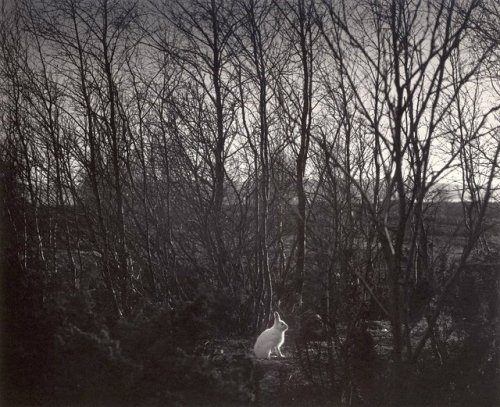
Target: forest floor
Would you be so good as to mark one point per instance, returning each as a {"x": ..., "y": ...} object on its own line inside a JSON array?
[{"x": 300, "y": 378}]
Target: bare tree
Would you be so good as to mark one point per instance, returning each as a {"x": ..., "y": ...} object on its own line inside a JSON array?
[
  {"x": 302, "y": 35},
  {"x": 202, "y": 52},
  {"x": 396, "y": 63}
]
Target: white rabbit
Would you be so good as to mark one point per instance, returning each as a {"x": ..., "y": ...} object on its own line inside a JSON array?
[{"x": 271, "y": 339}]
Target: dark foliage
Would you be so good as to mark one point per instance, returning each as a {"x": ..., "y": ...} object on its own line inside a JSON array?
[{"x": 66, "y": 353}]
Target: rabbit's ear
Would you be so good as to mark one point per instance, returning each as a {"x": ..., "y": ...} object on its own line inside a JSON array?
[{"x": 277, "y": 316}]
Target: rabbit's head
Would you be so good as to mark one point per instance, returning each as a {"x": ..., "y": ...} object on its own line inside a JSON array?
[{"x": 279, "y": 323}]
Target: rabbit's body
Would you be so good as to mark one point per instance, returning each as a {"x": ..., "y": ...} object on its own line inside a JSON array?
[{"x": 271, "y": 340}]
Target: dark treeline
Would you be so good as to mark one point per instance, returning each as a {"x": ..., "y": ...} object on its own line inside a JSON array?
[{"x": 172, "y": 172}]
